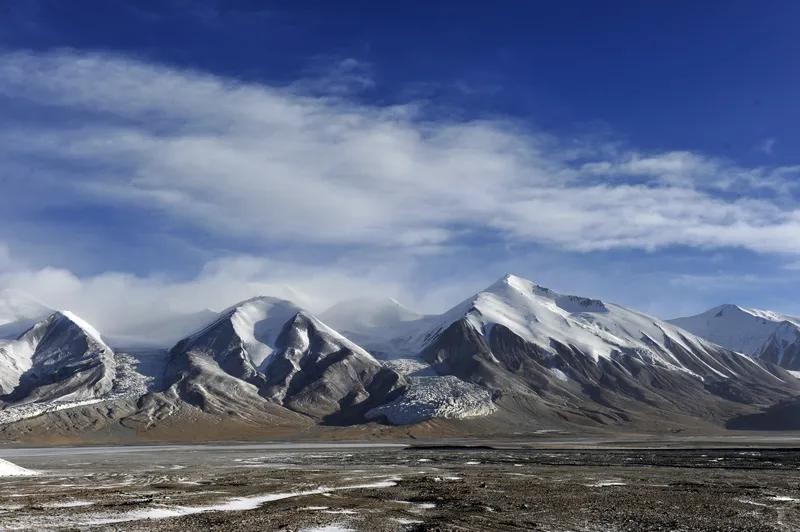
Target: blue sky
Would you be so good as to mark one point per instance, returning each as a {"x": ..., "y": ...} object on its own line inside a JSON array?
[{"x": 639, "y": 152}]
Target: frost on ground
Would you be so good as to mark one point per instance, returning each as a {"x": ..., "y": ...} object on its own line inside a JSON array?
[
  {"x": 432, "y": 397},
  {"x": 7, "y": 469}
]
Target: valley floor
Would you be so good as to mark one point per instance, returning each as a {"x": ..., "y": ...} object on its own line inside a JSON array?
[{"x": 329, "y": 487}]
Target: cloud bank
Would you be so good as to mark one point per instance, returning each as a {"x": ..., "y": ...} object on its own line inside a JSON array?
[
  {"x": 272, "y": 163},
  {"x": 270, "y": 166}
]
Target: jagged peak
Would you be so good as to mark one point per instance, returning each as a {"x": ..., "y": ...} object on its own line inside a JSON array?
[
  {"x": 526, "y": 287},
  {"x": 66, "y": 319},
  {"x": 517, "y": 283},
  {"x": 77, "y": 321}
]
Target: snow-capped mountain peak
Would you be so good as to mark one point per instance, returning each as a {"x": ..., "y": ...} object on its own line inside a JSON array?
[
  {"x": 284, "y": 353},
  {"x": 84, "y": 325},
  {"x": 61, "y": 326},
  {"x": 515, "y": 348},
  {"x": 540, "y": 316},
  {"x": 74, "y": 361},
  {"x": 739, "y": 328},
  {"x": 761, "y": 333}
]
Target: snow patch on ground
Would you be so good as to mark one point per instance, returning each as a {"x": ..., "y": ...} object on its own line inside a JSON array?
[
  {"x": 328, "y": 528},
  {"x": 68, "y": 504},
  {"x": 605, "y": 483},
  {"x": 404, "y": 521},
  {"x": 754, "y": 503},
  {"x": 7, "y": 469},
  {"x": 236, "y": 504},
  {"x": 431, "y": 397}
]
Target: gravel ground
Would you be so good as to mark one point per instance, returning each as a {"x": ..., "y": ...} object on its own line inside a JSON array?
[{"x": 376, "y": 488}]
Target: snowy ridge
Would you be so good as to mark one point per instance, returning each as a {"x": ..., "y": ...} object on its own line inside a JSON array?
[
  {"x": 763, "y": 334},
  {"x": 258, "y": 323},
  {"x": 287, "y": 355},
  {"x": 51, "y": 334},
  {"x": 62, "y": 362},
  {"x": 734, "y": 327},
  {"x": 541, "y": 316},
  {"x": 514, "y": 348},
  {"x": 85, "y": 326}
]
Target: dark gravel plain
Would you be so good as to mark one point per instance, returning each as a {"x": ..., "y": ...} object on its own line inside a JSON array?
[{"x": 380, "y": 488}]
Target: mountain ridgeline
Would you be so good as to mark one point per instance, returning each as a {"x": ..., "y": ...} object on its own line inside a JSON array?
[
  {"x": 764, "y": 334},
  {"x": 515, "y": 358}
]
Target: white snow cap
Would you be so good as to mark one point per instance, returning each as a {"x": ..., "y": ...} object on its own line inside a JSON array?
[{"x": 741, "y": 329}]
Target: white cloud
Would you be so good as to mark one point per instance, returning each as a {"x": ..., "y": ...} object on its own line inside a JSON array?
[
  {"x": 116, "y": 301},
  {"x": 272, "y": 165}
]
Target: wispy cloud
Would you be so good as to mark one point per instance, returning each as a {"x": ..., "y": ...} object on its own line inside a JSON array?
[
  {"x": 279, "y": 164},
  {"x": 222, "y": 282},
  {"x": 306, "y": 165},
  {"x": 766, "y": 146}
]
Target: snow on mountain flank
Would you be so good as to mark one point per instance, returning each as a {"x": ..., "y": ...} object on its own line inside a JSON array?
[
  {"x": 258, "y": 322},
  {"x": 62, "y": 362},
  {"x": 516, "y": 350},
  {"x": 541, "y": 316},
  {"x": 738, "y": 328},
  {"x": 287, "y": 354},
  {"x": 59, "y": 340},
  {"x": 764, "y": 334}
]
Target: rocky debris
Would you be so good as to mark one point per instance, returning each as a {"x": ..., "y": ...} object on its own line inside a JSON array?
[{"x": 446, "y": 397}]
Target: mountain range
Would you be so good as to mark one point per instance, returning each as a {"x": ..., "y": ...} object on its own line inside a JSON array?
[{"x": 514, "y": 359}]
